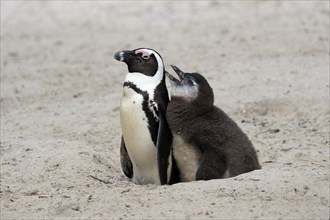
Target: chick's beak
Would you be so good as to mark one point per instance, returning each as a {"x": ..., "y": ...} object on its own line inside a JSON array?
[
  {"x": 180, "y": 73},
  {"x": 171, "y": 77}
]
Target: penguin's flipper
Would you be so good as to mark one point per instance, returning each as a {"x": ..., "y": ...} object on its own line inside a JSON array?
[
  {"x": 126, "y": 163},
  {"x": 164, "y": 143}
]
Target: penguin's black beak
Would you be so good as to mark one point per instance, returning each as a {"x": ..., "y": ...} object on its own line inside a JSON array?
[
  {"x": 180, "y": 73},
  {"x": 124, "y": 55}
]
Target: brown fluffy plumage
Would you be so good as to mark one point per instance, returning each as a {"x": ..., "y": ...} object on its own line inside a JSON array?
[{"x": 225, "y": 148}]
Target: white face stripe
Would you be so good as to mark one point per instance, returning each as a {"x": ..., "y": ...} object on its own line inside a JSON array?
[{"x": 144, "y": 82}]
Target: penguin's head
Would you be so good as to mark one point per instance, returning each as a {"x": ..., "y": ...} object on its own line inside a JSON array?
[
  {"x": 190, "y": 87},
  {"x": 141, "y": 60}
]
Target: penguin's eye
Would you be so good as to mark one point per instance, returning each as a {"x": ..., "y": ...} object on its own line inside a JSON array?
[{"x": 145, "y": 56}]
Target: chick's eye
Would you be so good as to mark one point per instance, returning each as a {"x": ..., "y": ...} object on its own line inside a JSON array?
[
  {"x": 192, "y": 82},
  {"x": 145, "y": 57}
]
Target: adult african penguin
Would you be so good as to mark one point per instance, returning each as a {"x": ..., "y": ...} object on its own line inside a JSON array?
[
  {"x": 145, "y": 152},
  {"x": 207, "y": 144}
]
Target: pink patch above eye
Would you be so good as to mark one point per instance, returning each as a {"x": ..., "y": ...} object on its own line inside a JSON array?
[{"x": 144, "y": 52}]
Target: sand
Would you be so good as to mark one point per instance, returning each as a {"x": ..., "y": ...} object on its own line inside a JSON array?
[{"x": 268, "y": 64}]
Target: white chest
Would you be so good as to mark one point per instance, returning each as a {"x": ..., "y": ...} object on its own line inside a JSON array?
[
  {"x": 187, "y": 158},
  {"x": 140, "y": 147}
]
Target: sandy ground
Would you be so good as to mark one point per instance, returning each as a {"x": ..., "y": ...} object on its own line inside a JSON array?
[{"x": 268, "y": 63}]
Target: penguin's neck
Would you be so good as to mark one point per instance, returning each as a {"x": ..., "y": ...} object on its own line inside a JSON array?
[{"x": 144, "y": 82}]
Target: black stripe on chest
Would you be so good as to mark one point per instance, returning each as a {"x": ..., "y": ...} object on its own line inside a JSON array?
[{"x": 147, "y": 104}]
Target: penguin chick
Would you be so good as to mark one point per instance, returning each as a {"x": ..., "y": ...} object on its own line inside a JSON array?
[
  {"x": 207, "y": 144},
  {"x": 145, "y": 152}
]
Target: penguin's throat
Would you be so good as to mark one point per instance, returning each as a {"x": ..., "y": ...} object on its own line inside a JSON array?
[{"x": 142, "y": 81}]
